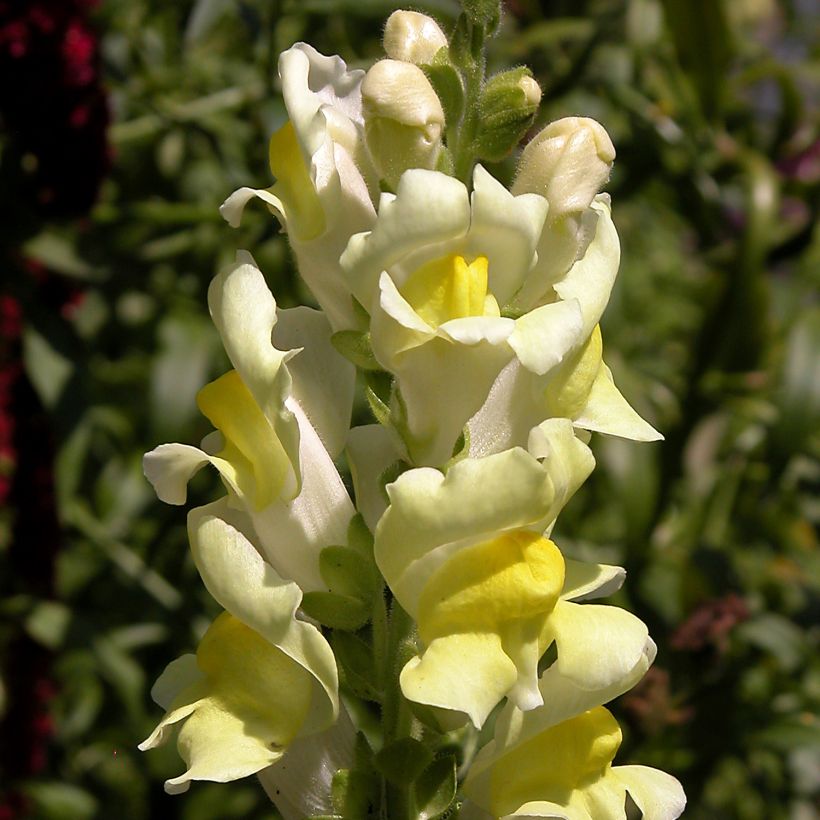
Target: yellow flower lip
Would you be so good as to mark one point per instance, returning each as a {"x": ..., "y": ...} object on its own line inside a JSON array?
[
  {"x": 565, "y": 757},
  {"x": 516, "y": 576},
  {"x": 449, "y": 288},
  {"x": 253, "y": 455}
]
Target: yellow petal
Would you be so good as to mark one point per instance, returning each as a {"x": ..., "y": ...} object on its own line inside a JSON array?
[
  {"x": 469, "y": 673},
  {"x": 305, "y": 217},
  {"x": 555, "y": 762},
  {"x": 252, "y": 449},
  {"x": 249, "y": 702},
  {"x": 513, "y": 577},
  {"x": 448, "y": 288}
]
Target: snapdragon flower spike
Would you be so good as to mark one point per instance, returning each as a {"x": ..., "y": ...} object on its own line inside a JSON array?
[
  {"x": 556, "y": 761},
  {"x": 435, "y": 272},
  {"x": 323, "y": 174},
  {"x": 273, "y": 428},
  {"x": 260, "y": 678},
  {"x": 465, "y": 556}
]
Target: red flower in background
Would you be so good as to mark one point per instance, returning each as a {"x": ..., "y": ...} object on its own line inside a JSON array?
[{"x": 52, "y": 104}]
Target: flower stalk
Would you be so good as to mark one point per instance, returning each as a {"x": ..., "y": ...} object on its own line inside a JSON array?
[{"x": 438, "y": 654}]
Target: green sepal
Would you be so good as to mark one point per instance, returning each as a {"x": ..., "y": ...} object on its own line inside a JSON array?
[
  {"x": 448, "y": 85},
  {"x": 461, "y": 449},
  {"x": 435, "y": 788},
  {"x": 467, "y": 43},
  {"x": 485, "y": 13},
  {"x": 505, "y": 115},
  {"x": 378, "y": 386},
  {"x": 336, "y": 611},
  {"x": 403, "y": 760},
  {"x": 354, "y": 345},
  {"x": 348, "y": 572},
  {"x": 359, "y": 537},
  {"x": 355, "y": 795},
  {"x": 356, "y": 664}
]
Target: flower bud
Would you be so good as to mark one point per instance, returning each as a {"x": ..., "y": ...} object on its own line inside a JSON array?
[
  {"x": 568, "y": 162},
  {"x": 507, "y": 108},
  {"x": 531, "y": 89},
  {"x": 412, "y": 37},
  {"x": 403, "y": 119}
]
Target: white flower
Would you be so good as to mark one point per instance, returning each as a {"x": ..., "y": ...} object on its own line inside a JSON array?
[
  {"x": 273, "y": 462},
  {"x": 465, "y": 556},
  {"x": 323, "y": 172},
  {"x": 435, "y": 272},
  {"x": 260, "y": 678}
]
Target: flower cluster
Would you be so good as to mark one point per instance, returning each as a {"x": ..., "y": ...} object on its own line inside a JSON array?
[{"x": 437, "y": 600}]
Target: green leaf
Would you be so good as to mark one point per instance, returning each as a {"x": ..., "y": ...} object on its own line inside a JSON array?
[
  {"x": 336, "y": 611},
  {"x": 403, "y": 760},
  {"x": 435, "y": 788},
  {"x": 48, "y": 623},
  {"x": 354, "y": 345},
  {"x": 57, "y": 801},
  {"x": 355, "y": 794}
]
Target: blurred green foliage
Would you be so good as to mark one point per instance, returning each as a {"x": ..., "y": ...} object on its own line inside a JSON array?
[{"x": 713, "y": 333}]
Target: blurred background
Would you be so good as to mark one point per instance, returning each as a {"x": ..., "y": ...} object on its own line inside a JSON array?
[{"x": 123, "y": 126}]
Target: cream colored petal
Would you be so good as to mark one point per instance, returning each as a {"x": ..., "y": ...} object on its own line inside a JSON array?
[
  {"x": 429, "y": 208},
  {"x": 323, "y": 380},
  {"x": 234, "y": 206},
  {"x": 478, "y": 498},
  {"x": 567, "y": 459},
  {"x": 607, "y": 411},
  {"x": 544, "y": 337},
  {"x": 313, "y": 84},
  {"x": 583, "y": 581},
  {"x": 506, "y": 418},
  {"x": 562, "y": 243},
  {"x": 299, "y": 784},
  {"x": 244, "y": 312},
  {"x": 658, "y": 795},
  {"x": 505, "y": 229},
  {"x": 605, "y": 798},
  {"x": 468, "y": 673},
  {"x": 293, "y": 534},
  {"x": 442, "y": 384},
  {"x": 591, "y": 278},
  {"x": 597, "y": 645},
  {"x": 247, "y": 703},
  {"x": 170, "y": 467},
  {"x": 239, "y": 579}
]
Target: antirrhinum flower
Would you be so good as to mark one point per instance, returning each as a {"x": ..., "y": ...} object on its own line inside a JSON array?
[
  {"x": 466, "y": 556},
  {"x": 323, "y": 173},
  {"x": 260, "y": 677},
  {"x": 270, "y": 456}
]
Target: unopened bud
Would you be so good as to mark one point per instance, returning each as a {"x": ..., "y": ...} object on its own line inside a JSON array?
[
  {"x": 531, "y": 89},
  {"x": 403, "y": 119},
  {"x": 412, "y": 37},
  {"x": 507, "y": 108},
  {"x": 568, "y": 162}
]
